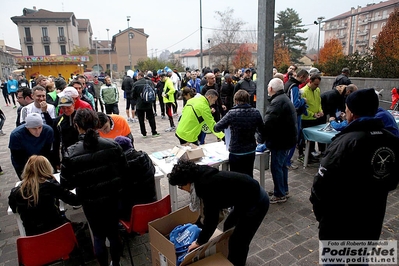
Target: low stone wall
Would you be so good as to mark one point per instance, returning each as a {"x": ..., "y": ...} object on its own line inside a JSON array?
[{"x": 362, "y": 83}]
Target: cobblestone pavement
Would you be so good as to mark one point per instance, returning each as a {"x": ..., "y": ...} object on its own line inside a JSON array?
[{"x": 287, "y": 236}]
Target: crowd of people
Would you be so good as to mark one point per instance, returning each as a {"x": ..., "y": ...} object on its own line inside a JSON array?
[{"x": 61, "y": 127}]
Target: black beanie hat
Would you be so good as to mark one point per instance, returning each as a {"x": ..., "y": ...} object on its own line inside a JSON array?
[{"x": 363, "y": 102}]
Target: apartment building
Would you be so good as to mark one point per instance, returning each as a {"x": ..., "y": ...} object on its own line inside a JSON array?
[
  {"x": 358, "y": 28},
  {"x": 45, "y": 33}
]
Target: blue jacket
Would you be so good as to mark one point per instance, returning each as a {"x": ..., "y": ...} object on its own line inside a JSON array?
[{"x": 12, "y": 86}]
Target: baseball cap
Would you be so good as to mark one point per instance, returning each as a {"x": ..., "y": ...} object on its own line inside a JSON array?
[
  {"x": 65, "y": 100},
  {"x": 33, "y": 120},
  {"x": 71, "y": 91}
]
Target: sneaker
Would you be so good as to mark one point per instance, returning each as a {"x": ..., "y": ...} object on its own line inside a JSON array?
[
  {"x": 163, "y": 117},
  {"x": 2, "y": 133},
  {"x": 144, "y": 136},
  {"x": 292, "y": 167},
  {"x": 1, "y": 172},
  {"x": 176, "y": 115},
  {"x": 14, "y": 107},
  {"x": 301, "y": 158},
  {"x": 76, "y": 207},
  {"x": 170, "y": 129},
  {"x": 134, "y": 120},
  {"x": 156, "y": 135},
  {"x": 275, "y": 199},
  {"x": 271, "y": 193}
]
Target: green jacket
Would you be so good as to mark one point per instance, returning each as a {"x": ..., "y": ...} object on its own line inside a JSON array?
[
  {"x": 190, "y": 124},
  {"x": 313, "y": 101},
  {"x": 169, "y": 91},
  {"x": 109, "y": 94}
]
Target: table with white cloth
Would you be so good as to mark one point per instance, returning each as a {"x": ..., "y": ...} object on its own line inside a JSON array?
[
  {"x": 215, "y": 155},
  {"x": 317, "y": 135}
]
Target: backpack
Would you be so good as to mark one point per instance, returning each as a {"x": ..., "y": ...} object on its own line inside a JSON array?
[{"x": 148, "y": 94}]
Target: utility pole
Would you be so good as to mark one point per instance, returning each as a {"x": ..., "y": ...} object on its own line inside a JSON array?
[
  {"x": 109, "y": 54},
  {"x": 202, "y": 54},
  {"x": 266, "y": 9},
  {"x": 128, "y": 37}
]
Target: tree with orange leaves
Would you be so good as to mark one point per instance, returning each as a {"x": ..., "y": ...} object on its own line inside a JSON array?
[
  {"x": 331, "y": 52},
  {"x": 386, "y": 47},
  {"x": 281, "y": 55},
  {"x": 242, "y": 58}
]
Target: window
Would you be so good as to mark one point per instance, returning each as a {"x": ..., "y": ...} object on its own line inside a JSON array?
[
  {"x": 383, "y": 24},
  {"x": 27, "y": 32},
  {"x": 47, "y": 50},
  {"x": 30, "y": 49},
  {"x": 63, "y": 49},
  {"x": 45, "y": 31},
  {"x": 375, "y": 26},
  {"x": 61, "y": 31}
]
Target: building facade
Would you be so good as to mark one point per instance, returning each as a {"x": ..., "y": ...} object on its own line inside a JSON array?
[
  {"x": 44, "y": 33},
  {"x": 358, "y": 28}
]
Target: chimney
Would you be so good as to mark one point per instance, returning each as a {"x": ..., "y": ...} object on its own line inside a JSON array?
[{"x": 34, "y": 7}]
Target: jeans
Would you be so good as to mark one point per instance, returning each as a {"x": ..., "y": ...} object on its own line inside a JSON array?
[
  {"x": 292, "y": 151},
  {"x": 279, "y": 171},
  {"x": 149, "y": 114}
]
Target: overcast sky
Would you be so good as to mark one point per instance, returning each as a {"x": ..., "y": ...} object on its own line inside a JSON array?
[{"x": 168, "y": 23}]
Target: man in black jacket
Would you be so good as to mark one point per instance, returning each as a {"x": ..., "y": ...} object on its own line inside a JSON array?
[
  {"x": 280, "y": 133},
  {"x": 343, "y": 78},
  {"x": 247, "y": 84},
  {"x": 127, "y": 87},
  {"x": 361, "y": 165},
  {"x": 144, "y": 108}
]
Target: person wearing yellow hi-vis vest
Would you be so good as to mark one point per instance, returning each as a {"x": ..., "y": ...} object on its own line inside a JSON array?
[
  {"x": 168, "y": 96},
  {"x": 197, "y": 116}
]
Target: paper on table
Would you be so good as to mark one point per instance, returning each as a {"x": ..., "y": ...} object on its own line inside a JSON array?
[{"x": 227, "y": 136}]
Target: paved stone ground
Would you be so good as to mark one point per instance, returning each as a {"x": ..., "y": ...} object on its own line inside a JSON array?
[{"x": 287, "y": 236}]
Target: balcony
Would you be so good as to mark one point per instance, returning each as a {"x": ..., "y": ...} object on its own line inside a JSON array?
[
  {"x": 28, "y": 40},
  {"x": 362, "y": 33},
  {"x": 342, "y": 36},
  {"x": 364, "y": 21},
  {"x": 62, "y": 39},
  {"x": 45, "y": 39},
  {"x": 342, "y": 26},
  {"x": 362, "y": 43}
]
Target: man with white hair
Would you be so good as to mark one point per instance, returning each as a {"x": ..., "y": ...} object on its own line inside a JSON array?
[{"x": 280, "y": 134}]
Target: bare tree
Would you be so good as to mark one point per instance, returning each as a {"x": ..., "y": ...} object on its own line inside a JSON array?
[
  {"x": 250, "y": 35},
  {"x": 227, "y": 38},
  {"x": 312, "y": 41}
]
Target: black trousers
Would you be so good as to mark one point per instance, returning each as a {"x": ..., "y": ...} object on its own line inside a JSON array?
[
  {"x": 149, "y": 114},
  {"x": 112, "y": 109}
]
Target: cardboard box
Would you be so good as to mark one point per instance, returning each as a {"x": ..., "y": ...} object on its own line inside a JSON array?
[
  {"x": 188, "y": 152},
  {"x": 163, "y": 251},
  {"x": 216, "y": 259}
]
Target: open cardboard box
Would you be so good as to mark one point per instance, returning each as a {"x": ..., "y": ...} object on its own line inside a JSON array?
[
  {"x": 163, "y": 251},
  {"x": 188, "y": 152}
]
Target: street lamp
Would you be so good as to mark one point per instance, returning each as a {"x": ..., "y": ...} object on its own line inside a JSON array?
[
  {"x": 209, "y": 42},
  {"x": 109, "y": 54},
  {"x": 318, "y": 22},
  {"x": 128, "y": 38},
  {"x": 202, "y": 57},
  {"x": 98, "y": 69}
]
